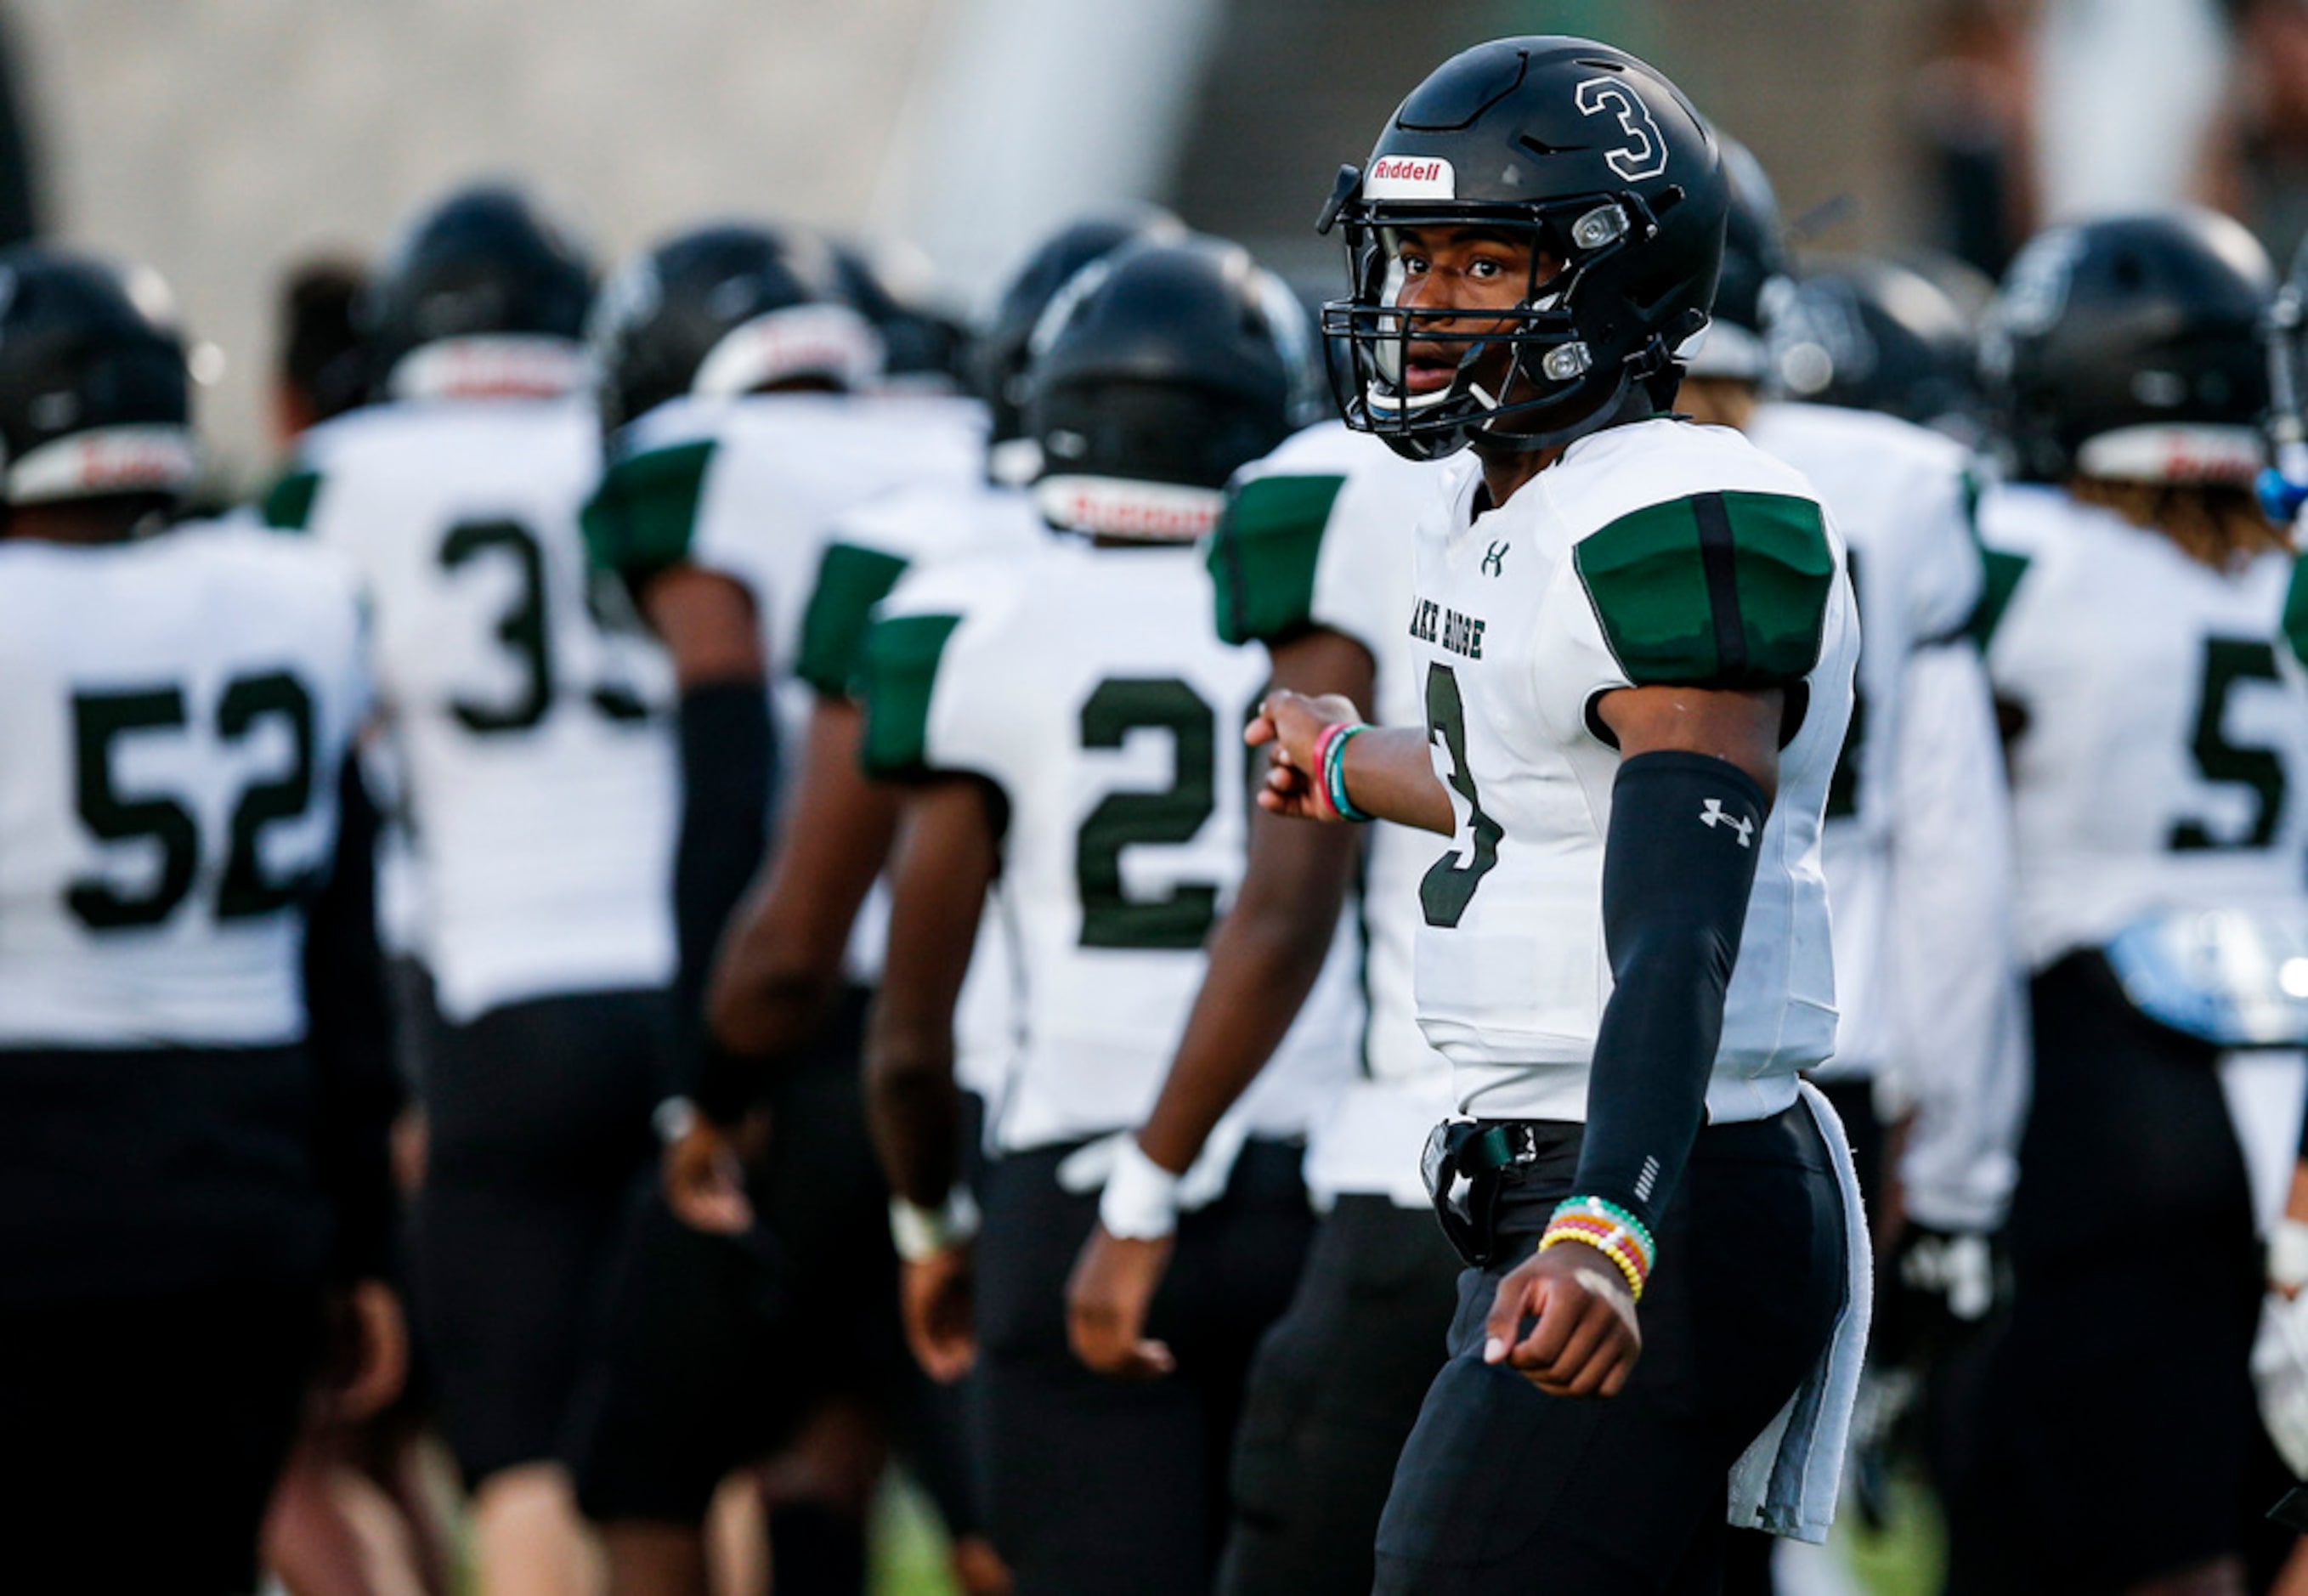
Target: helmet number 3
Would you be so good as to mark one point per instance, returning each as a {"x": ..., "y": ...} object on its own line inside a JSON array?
[{"x": 1644, "y": 154}]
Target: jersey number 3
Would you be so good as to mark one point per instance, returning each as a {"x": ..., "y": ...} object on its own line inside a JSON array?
[
  {"x": 244, "y": 890},
  {"x": 1449, "y": 882}
]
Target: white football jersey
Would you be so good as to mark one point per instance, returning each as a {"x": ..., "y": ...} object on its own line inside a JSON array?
[
  {"x": 867, "y": 551},
  {"x": 1084, "y": 685},
  {"x": 1901, "y": 496},
  {"x": 2163, "y": 762},
  {"x": 176, "y": 712},
  {"x": 750, "y": 487},
  {"x": 534, "y": 739},
  {"x": 1319, "y": 534},
  {"x": 1655, "y": 552}
]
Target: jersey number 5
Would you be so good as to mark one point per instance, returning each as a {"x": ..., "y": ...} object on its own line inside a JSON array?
[
  {"x": 245, "y": 890},
  {"x": 1111, "y": 917},
  {"x": 2228, "y": 660}
]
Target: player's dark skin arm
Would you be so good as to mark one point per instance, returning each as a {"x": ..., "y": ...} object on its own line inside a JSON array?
[
  {"x": 1263, "y": 960},
  {"x": 780, "y": 964},
  {"x": 944, "y": 862}
]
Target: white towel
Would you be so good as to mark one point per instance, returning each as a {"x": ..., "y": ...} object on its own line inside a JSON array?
[{"x": 1787, "y": 1480}]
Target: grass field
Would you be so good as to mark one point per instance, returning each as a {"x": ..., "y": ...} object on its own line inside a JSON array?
[{"x": 1905, "y": 1559}]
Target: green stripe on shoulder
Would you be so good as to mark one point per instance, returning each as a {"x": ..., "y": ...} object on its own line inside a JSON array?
[
  {"x": 1712, "y": 590},
  {"x": 2296, "y": 610},
  {"x": 288, "y": 504},
  {"x": 897, "y": 672},
  {"x": 1263, "y": 555},
  {"x": 643, "y": 515},
  {"x": 850, "y": 581},
  {"x": 2004, "y": 570}
]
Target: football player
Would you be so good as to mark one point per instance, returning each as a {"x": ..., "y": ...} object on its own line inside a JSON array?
[
  {"x": 1065, "y": 718},
  {"x": 2135, "y": 604},
  {"x": 1873, "y": 335},
  {"x": 1310, "y": 558},
  {"x": 193, "y": 1051},
  {"x": 1635, "y": 642},
  {"x": 736, "y": 371},
  {"x": 539, "y": 771},
  {"x": 1929, "y": 1073}
]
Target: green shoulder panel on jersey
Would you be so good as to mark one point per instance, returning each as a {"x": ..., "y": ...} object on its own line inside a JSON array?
[
  {"x": 1263, "y": 556},
  {"x": 2296, "y": 610},
  {"x": 850, "y": 581},
  {"x": 1713, "y": 590},
  {"x": 2004, "y": 570},
  {"x": 897, "y": 669},
  {"x": 288, "y": 504},
  {"x": 641, "y": 517}
]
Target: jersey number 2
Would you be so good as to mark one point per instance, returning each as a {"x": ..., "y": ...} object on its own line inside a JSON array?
[
  {"x": 245, "y": 890},
  {"x": 1111, "y": 917}
]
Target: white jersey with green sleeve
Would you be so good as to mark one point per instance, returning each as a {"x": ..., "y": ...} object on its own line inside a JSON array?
[
  {"x": 1902, "y": 497},
  {"x": 2162, "y": 751},
  {"x": 1650, "y": 554},
  {"x": 869, "y": 549},
  {"x": 1084, "y": 687},
  {"x": 176, "y": 712},
  {"x": 532, "y": 735},
  {"x": 750, "y": 487},
  {"x": 1318, "y": 534}
]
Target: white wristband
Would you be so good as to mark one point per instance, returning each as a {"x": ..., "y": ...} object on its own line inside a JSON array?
[
  {"x": 2287, "y": 1254},
  {"x": 673, "y": 1119},
  {"x": 1141, "y": 1200},
  {"x": 919, "y": 1233}
]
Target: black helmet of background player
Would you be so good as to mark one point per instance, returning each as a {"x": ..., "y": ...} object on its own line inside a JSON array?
[
  {"x": 1604, "y": 169},
  {"x": 923, "y": 349},
  {"x": 998, "y": 356},
  {"x": 1158, "y": 371},
  {"x": 727, "y": 309},
  {"x": 95, "y": 398},
  {"x": 1753, "y": 281},
  {"x": 2128, "y": 351},
  {"x": 1875, "y": 335},
  {"x": 482, "y": 295}
]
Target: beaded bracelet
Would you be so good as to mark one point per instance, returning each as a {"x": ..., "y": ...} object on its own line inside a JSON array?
[
  {"x": 1608, "y": 1229},
  {"x": 1330, "y": 768}
]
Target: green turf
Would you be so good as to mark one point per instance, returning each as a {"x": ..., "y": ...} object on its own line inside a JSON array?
[{"x": 909, "y": 1544}]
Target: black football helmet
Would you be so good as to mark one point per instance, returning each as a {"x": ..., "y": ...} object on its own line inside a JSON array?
[
  {"x": 922, "y": 347},
  {"x": 997, "y": 355},
  {"x": 1604, "y": 165},
  {"x": 1164, "y": 363},
  {"x": 727, "y": 309},
  {"x": 1871, "y": 334},
  {"x": 1753, "y": 281},
  {"x": 2129, "y": 349},
  {"x": 2283, "y": 484},
  {"x": 485, "y": 262},
  {"x": 95, "y": 400}
]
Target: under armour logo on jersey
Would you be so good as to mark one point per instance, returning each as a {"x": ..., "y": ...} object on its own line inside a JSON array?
[
  {"x": 1713, "y": 816},
  {"x": 1495, "y": 562}
]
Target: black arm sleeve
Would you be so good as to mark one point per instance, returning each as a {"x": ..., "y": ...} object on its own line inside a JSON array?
[
  {"x": 350, "y": 1035},
  {"x": 1678, "y": 868},
  {"x": 727, "y": 764}
]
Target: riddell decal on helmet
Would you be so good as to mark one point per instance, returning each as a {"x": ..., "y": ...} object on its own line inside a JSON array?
[{"x": 1410, "y": 178}]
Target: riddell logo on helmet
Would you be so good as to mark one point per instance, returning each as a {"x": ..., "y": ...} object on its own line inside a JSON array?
[{"x": 1409, "y": 178}]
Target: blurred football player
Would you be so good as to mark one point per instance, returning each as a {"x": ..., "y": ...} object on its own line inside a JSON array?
[
  {"x": 1065, "y": 717},
  {"x": 736, "y": 366},
  {"x": 1311, "y": 557},
  {"x": 537, "y": 761},
  {"x": 2156, "y": 751},
  {"x": 193, "y": 1047},
  {"x": 1636, "y": 643}
]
